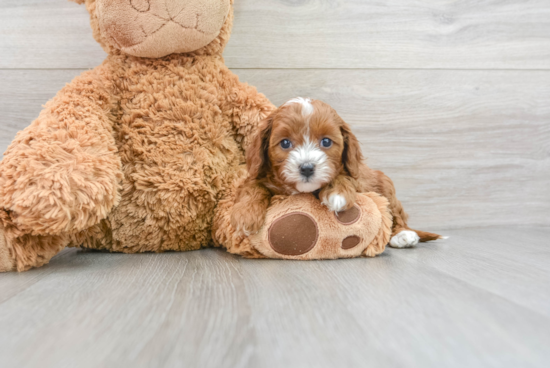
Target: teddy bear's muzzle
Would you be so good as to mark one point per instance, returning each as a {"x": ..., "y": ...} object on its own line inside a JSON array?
[{"x": 156, "y": 28}]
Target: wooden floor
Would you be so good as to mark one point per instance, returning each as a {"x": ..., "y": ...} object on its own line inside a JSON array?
[{"x": 478, "y": 299}]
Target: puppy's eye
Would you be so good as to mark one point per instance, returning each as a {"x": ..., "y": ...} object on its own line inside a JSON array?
[
  {"x": 286, "y": 144},
  {"x": 326, "y": 142}
]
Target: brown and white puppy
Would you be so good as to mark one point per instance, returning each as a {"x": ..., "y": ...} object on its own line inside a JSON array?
[{"x": 304, "y": 146}]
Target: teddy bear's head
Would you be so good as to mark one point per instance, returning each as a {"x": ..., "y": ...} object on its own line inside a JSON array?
[{"x": 156, "y": 28}]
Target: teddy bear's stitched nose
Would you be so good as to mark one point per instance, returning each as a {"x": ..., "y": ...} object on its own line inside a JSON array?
[
  {"x": 141, "y": 5},
  {"x": 176, "y": 7}
]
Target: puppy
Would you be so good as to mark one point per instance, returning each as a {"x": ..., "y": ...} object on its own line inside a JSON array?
[{"x": 305, "y": 147}]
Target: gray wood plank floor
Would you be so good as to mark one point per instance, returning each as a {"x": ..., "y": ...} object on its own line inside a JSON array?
[{"x": 478, "y": 299}]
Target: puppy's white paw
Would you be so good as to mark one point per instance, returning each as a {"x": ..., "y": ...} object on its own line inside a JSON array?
[
  {"x": 404, "y": 239},
  {"x": 336, "y": 202}
]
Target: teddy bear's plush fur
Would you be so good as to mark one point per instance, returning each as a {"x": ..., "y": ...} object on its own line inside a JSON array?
[{"x": 136, "y": 154}]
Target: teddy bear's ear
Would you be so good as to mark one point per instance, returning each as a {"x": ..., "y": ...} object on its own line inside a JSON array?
[{"x": 78, "y": 1}]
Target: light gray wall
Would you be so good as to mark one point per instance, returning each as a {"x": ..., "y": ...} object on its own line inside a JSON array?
[{"x": 450, "y": 98}]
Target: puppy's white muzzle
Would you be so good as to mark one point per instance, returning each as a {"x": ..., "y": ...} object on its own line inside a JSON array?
[{"x": 307, "y": 167}]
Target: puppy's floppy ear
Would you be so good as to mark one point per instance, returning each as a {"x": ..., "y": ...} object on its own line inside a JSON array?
[
  {"x": 352, "y": 156},
  {"x": 257, "y": 155}
]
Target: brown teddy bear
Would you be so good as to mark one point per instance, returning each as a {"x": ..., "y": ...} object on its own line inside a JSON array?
[{"x": 144, "y": 152}]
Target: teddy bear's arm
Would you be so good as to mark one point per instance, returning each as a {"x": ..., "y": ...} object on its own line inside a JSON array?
[
  {"x": 247, "y": 108},
  {"x": 61, "y": 174}
]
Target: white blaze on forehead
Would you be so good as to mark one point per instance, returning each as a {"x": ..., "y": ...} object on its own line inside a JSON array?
[
  {"x": 307, "y": 107},
  {"x": 307, "y": 153}
]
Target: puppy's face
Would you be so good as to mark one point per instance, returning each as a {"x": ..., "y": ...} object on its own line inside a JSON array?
[{"x": 302, "y": 146}]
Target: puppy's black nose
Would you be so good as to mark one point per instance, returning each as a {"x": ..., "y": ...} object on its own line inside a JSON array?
[{"x": 307, "y": 170}]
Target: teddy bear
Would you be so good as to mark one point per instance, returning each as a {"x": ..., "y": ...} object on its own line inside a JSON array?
[{"x": 144, "y": 152}]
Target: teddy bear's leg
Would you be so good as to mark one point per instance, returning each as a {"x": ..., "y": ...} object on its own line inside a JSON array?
[
  {"x": 59, "y": 176},
  {"x": 27, "y": 251},
  {"x": 7, "y": 259},
  {"x": 246, "y": 108},
  {"x": 301, "y": 227},
  {"x": 223, "y": 233}
]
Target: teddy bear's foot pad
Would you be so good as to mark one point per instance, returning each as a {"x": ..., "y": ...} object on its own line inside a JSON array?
[
  {"x": 293, "y": 234},
  {"x": 351, "y": 242},
  {"x": 350, "y": 216}
]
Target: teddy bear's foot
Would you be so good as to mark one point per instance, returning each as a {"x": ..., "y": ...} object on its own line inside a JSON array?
[
  {"x": 7, "y": 263},
  {"x": 300, "y": 227},
  {"x": 28, "y": 251}
]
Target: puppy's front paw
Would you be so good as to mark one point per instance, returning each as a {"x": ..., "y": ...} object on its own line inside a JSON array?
[
  {"x": 247, "y": 220},
  {"x": 336, "y": 202},
  {"x": 404, "y": 239},
  {"x": 340, "y": 195}
]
